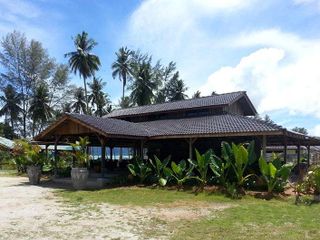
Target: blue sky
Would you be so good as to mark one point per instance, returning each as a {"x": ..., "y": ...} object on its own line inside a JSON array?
[{"x": 271, "y": 48}]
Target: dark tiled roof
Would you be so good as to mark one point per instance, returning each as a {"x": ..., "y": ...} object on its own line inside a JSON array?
[
  {"x": 111, "y": 126},
  {"x": 216, "y": 100},
  {"x": 216, "y": 124}
]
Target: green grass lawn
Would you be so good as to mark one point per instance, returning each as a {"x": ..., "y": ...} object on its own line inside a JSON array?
[{"x": 248, "y": 218}]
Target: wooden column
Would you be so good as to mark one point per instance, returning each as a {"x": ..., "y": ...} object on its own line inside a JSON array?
[
  {"x": 57, "y": 138},
  {"x": 285, "y": 150},
  {"x": 141, "y": 149},
  {"x": 264, "y": 146},
  {"x": 103, "y": 155},
  {"x": 47, "y": 152},
  {"x": 111, "y": 153},
  {"x": 191, "y": 141},
  {"x": 298, "y": 154}
]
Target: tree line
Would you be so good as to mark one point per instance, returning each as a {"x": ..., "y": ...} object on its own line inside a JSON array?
[{"x": 36, "y": 89}]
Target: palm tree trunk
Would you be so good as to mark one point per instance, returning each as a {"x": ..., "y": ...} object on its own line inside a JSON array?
[
  {"x": 86, "y": 95},
  {"x": 12, "y": 127},
  {"x": 123, "y": 92}
]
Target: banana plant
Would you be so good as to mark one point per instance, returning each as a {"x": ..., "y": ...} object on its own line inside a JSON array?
[
  {"x": 239, "y": 158},
  {"x": 159, "y": 169},
  {"x": 274, "y": 173},
  {"x": 242, "y": 157},
  {"x": 201, "y": 165},
  {"x": 179, "y": 172},
  {"x": 220, "y": 169},
  {"x": 140, "y": 169}
]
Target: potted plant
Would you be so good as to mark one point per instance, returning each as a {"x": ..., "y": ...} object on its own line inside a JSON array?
[
  {"x": 79, "y": 172},
  {"x": 31, "y": 157}
]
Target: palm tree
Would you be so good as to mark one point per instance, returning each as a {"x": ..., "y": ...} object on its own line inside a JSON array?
[
  {"x": 176, "y": 88},
  {"x": 40, "y": 110},
  {"x": 11, "y": 101},
  {"x": 79, "y": 104},
  {"x": 121, "y": 68},
  {"x": 197, "y": 94},
  {"x": 98, "y": 97},
  {"x": 143, "y": 84},
  {"x": 125, "y": 102},
  {"x": 82, "y": 61}
]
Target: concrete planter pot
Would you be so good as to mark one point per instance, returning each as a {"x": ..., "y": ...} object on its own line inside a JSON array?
[
  {"x": 34, "y": 174},
  {"x": 79, "y": 177}
]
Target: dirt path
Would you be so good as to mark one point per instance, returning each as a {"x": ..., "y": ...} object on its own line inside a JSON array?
[{"x": 34, "y": 212}]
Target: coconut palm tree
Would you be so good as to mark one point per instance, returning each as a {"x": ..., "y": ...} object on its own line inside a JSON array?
[
  {"x": 79, "y": 104},
  {"x": 143, "y": 85},
  {"x": 11, "y": 101},
  {"x": 121, "y": 68},
  {"x": 197, "y": 94},
  {"x": 176, "y": 88},
  {"x": 40, "y": 110},
  {"x": 125, "y": 102},
  {"x": 82, "y": 61},
  {"x": 98, "y": 97}
]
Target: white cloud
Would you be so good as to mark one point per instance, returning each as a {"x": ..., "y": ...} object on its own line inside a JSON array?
[
  {"x": 282, "y": 74},
  {"x": 177, "y": 30},
  {"x": 315, "y": 131}
]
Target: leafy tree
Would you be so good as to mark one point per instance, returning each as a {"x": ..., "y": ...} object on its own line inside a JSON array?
[
  {"x": 197, "y": 94},
  {"x": 11, "y": 104},
  {"x": 79, "y": 104},
  {"x": 7, "y": 131},
  {"x": 301, "y": 130},
  {"x": 214, "y": 93},
  {"x": 121, "y": 68},
  {"x": 40, "y": 110},
  {"x": 82, "y": 61},
  {"x": 97, "y": 97},
  {"x": 26, "y": 64},
  {"x": 176, "y": 88}
]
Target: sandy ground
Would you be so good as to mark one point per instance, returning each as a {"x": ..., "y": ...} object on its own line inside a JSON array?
[{"x": 34, "y": 212}]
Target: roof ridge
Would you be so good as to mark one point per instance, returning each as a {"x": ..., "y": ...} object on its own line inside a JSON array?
[{"x": 177, "y": 101}]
